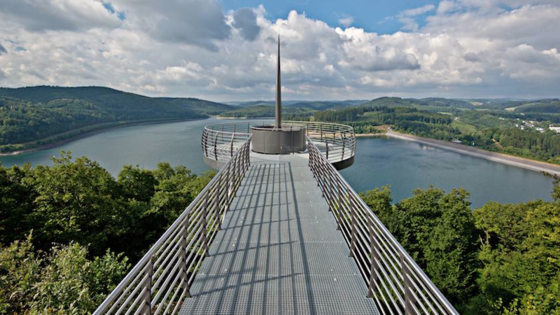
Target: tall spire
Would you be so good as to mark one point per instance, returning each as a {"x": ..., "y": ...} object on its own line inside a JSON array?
[{"x": 278, "y": 91}]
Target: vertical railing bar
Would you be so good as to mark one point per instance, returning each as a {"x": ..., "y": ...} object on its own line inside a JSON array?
[
  {"x": 205, "y": 227},
  {"x": 147, "y": 303},
  {"x": 374, "y": 257},
  {"x": 408, "y": 309}
]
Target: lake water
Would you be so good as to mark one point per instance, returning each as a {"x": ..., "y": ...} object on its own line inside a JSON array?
[{"x": 402, "y": 164}]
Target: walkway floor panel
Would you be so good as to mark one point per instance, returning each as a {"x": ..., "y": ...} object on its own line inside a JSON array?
[{"x": 278, "y": 251}]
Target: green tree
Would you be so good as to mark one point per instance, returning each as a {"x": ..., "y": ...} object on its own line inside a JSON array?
[
  {"x": 62, "y": 281},
  {"x": 77, "y": 201},
  {"x": 16, "y": 198},
  {"x": 452, "y": 252}
]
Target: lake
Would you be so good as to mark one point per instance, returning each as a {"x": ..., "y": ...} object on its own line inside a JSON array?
[{"x": 379, "y": 161}]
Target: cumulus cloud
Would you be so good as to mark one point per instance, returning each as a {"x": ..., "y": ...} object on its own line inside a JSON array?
[
  {"x": 68, "y": 15},
  {"x": 246, "y": 21},
  {"x": 2, "y": 50},
  {"x": 465, "y": 48},
  {"x": 195, "y": 22}
]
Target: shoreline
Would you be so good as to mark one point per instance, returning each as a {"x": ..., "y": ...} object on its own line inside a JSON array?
[
  {"x": 502, "y": 158},
  {"x": 369, "y": 135},
  {"x": 93, "y": 132}
]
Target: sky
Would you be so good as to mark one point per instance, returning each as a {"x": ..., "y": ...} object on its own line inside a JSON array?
[{"x": 331, "y": 49}]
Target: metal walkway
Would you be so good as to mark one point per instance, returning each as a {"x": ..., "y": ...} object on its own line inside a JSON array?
[{"x": 279, "y": 251}]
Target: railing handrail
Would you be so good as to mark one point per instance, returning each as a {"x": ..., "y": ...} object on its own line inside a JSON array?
[
  {"x": 145, "y": 260},
  {"x": 338, "y": 141},
  {"x": 386, "y": 233},
  {"x": 209, "y": 128}
]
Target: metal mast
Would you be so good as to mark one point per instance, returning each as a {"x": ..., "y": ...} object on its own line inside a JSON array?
[{"x": 278, "y": 92}]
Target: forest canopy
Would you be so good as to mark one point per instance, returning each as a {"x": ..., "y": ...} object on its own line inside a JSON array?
[
  {"x": 70, "y": 232},
  {"x": 499, "y": 259}
]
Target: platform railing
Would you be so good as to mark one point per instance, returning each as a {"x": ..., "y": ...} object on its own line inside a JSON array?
[
  {"x": 394, "y": 280},
  {"x": 337, "y": 142},
  {"x": 161, "y": 280},
  {"x": 221, "y": 141}
]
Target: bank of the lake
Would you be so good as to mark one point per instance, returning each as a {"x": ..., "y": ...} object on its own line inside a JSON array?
[
  {"x": 533, "y": 165},
  {"x": 405, "y": 165},
  {"x": 72, "y": 135}
]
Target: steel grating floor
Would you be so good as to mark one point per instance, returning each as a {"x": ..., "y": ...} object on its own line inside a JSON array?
[{"x": 279, "y": 251}]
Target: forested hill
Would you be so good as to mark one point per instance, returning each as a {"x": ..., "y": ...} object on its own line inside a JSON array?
[{"x": 33, "y": 116}]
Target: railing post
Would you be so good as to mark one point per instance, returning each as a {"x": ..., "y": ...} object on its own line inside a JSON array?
[
  {"x": 339, "y": 210},
  {"x": 327, "y": 142},
  {"x": 248, "y": 154},
  {"x": 231, "y": 150},
  {"x": 205, "y": 142},
  {"x": 146, "y": 307},
  {"x": 342, "y": 138},
  {"x": 227, "y": 177},
  {"x": 217, "y": 205},
  {"x": 204, "y": 226},
  {"x": 353, "y": 237},
  {"x": 185, "y": 271},
  {"x": 374, "y": 258},
  {"x": 408, "y": 308},
  {"x": 216, "y": 147}
]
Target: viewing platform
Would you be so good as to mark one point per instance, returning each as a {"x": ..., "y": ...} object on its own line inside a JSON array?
[{"x": 277, "y": 234}]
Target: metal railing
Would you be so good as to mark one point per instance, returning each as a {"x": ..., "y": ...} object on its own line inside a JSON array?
[
  {"x": 160, "y": 281},
  {"x": 221, "y": 141},
  {"x": 395, "y": 282},
  {"x": 337, "y": 142}
]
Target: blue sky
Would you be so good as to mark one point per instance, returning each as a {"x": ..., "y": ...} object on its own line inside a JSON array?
[
  {"x": 371, "y": 15},
  {"x": 224, "y": 50}
]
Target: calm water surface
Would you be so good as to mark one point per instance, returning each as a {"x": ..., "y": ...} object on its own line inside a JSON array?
[{"x": 402, "y": 164}]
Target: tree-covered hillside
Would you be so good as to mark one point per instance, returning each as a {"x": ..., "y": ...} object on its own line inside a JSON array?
[
  {"x": 266, "y": 111},
  {"x": 543, "y": 106},
  {"x": 40, "y": 115},
  {"x": 521, "y": 134}
]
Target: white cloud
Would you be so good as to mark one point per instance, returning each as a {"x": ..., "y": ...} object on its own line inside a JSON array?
[
  {"x": 467, "y": 48},
  {"x": 194, "y": 22},
  {"x": 408, "y": 17},
  {"x": 246, "y": 21},
  {"x": 69, "y": 15},
  {"x": 446, "y": 6},
  {"x": 346, "y": 21},
  {"x": 418, "y": 11}
]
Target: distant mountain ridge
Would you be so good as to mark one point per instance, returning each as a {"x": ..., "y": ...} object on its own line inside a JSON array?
[
  {"x": 33, "y": 116},
  {"x": 43, "y": 115},
  {"x": 111, "y": 99}
]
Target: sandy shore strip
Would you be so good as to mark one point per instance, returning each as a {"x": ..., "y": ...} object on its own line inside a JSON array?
[{"x": 483, "y": 154}]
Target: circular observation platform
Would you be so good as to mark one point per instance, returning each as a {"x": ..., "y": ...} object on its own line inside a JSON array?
[{"x": 337, "y": 142}]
